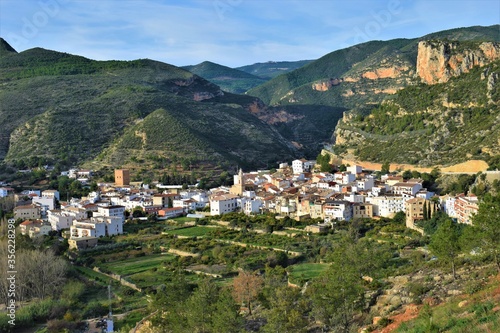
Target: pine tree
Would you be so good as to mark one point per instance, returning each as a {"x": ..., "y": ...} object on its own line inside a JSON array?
[{"x": 445, "y": 243}]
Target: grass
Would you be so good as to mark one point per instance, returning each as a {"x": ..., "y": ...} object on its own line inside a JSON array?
[
  {"x": 89, "y": 273},
  {"x": 301, "y": 273},
  {"x": 191, "y": 232},
  {"x": 152, "y": 278},
  {"x": 480, "y": 314},
  {"x": 131, "y": 319},
  {"x": 182, "y": 220},
  {"x": 136, "y": 265}
]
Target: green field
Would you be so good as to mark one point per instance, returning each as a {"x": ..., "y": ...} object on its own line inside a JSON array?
[
  {"x": 182, "y": 220},
  {"x": 305, "y": 272},
  {"x": 191, "y": 232},
  {"x": 136, "y": 265},
  {"x": 89, "y": 273}
]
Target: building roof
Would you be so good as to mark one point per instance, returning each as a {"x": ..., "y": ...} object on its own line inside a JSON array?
[
  {"x": 223, "y": 197},
  {"x": 30, "y": 206}
]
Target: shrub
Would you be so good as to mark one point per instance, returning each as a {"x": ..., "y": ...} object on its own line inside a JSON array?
[{"x": 473, "y": 286}]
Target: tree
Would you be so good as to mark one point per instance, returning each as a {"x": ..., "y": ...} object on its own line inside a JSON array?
[
  {"x": 324, "y": 162},
  {"x": 226, "y": 317},
  {"x": 407, "y": 174},
  {"x": 169, "y": 300},
  {"x": 386, "y": 168},
  {"x": 199, "y": 307},
  {"x": 246, "y": 287},
  {"x": 426, "y": 211},
  {"x": 337, "y": 296},
  {"x": 284, "y": 314},
  {"x": 40, "y": 274},
  {"x": 445, "y": 242},
  {"x": 486, "y": 228}
]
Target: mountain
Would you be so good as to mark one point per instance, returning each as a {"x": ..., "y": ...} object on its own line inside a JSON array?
[
  {"x": 271, "y": 69},
  {"x": 228, "y": 79},
  {"x": 5, "y": 48},
  {"x": 363, "y": 77},
  {"x": 451, "y": 116},
  {"x": 436, "y": 96},
  {"x": 57, "y": 107}
]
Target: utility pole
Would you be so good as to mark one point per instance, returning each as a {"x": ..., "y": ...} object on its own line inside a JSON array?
[{"x": 109, "y": 320}]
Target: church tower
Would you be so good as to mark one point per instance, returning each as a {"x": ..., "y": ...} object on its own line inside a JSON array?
[{"x": 239, "y": 184}]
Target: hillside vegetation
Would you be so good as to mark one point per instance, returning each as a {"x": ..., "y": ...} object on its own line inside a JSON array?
[
  {"x": 379, "y": 83},
  {"x": 59, "y": 107}
]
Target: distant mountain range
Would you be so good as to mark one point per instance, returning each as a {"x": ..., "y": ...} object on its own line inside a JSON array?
[
  {"x": 57, "y": 107},
  {"x": 228, "y": 79},
  {"x": 239, "y": 80}
]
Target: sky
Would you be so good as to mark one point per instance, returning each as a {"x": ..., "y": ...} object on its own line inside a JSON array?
[{"x": 228, "y": 32}]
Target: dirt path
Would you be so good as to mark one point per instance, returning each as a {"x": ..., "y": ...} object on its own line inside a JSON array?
[{"x": 472, "y": 166}]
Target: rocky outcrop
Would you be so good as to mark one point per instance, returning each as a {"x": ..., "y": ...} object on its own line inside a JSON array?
[
  {"x": 384, "y": 72},
  {"x": 491, "y": 86},
  {"x": 202, "y": 95},
  {"x": 438, "y": 61},
  {"x": 324, "y": 85}
]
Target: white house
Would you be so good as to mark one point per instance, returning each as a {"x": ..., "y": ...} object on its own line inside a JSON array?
[
  {"x": 97, "y": 227},
  {"x": 340, "y": 210},
  {"x": 51, "y": 194},
  {"x": 302, "y": 165},
  {"x": 223, "y": 204},
  {"x": 62, "y": 219},
  {"x": 366, "y": 183},
  {"x": 5, "y": 191},
  {"x": 406, "y": 188},
  {"x": 250, "y": 205},
  {"x": 354, "y": 198},
  {"x": 424, "y": 194},
  {"x": 387, "y": 206},
  {"x": 114, "y": 210},
  {"x": 87, "y": 228},
  {"x": 186, "y": 204},
  {"x": 448, "y": 205},
  {"x": 355, "y": 169},
  {"x": 45, "y": 203},
  {"x": 344, "y": 177}
]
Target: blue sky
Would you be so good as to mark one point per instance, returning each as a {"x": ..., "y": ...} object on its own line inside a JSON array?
[{"x": 229, "y": 32}]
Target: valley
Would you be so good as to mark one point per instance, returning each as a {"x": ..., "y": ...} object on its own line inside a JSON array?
[{"x": 358, "y": 192}]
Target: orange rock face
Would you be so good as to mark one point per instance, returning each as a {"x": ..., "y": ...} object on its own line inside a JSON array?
[
  {"x": 325, "y": 85},
  {"x": 438, "y": 61},
  {"x": 382, "y": 73}
]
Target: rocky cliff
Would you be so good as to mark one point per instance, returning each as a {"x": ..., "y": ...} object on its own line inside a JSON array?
[{"x": 438, "y": 61}]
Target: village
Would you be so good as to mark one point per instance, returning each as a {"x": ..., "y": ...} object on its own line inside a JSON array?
[{"x": 297, "y": 191}]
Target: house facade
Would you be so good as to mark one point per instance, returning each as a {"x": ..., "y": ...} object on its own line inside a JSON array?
[
  {"x": 27, "y": 212},
  {"x": 223, "y": 204}
]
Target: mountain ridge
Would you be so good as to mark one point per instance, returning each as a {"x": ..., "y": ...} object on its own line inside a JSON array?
[
  {"x": 82, "y": 100},
  {"x": 229, "y": 79},
  {"x": 106, "y": 104}
]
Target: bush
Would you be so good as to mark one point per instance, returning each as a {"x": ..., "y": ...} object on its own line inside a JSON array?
[
  {"x": 73, "y": 290},
  {"x": 473, "y": 286},
  {"x": 417, "y": 290},
  {"x": 94, "y": 309},
  {"x": 57, "y": 325}
]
